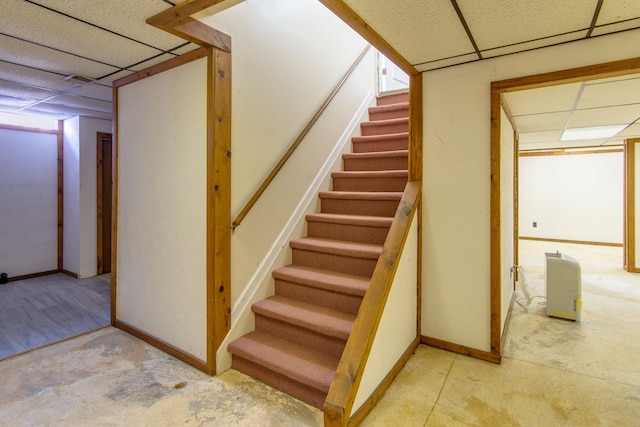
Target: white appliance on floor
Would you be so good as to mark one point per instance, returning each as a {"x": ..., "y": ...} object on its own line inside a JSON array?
[{"x": 563, "y": 286}]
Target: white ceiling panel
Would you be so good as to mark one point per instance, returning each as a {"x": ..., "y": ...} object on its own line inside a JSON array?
[
  {"x": 24, "y": 53},
  {"x": 542, "y": 100},
  {"x": 420, "y": 30},
  {"x": 537, "y": 122},
  {"x": 96, "y": 91},
  {"x": 125, "y": 17},
  {"x": 73, "y": 100},
  {"x": 68, "y": 35},
  {"x": 618, "y": 10},
  {"x": 605, "y": 116},
  {"x": 614, "y": 28},
  {"x": 632, "y": 131},
  {"x": 534, "y": 44},
  {"x": 611, "y": 93},
  {"x": 496, "y": 23},
  {"x": 541, "y": 136}
]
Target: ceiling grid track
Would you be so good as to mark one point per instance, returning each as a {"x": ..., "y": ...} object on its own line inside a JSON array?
[
  {"x": 463, "y": 21},
  {"x": 594, "y": 21}
]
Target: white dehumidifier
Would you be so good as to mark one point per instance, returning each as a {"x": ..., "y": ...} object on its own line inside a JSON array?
[{"x": 563, "y": 286}]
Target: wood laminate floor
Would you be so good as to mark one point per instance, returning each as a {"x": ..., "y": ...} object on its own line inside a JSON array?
[{"x": 40, "y": 311}]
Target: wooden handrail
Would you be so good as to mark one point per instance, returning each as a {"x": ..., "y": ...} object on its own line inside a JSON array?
[
  {"x": 342, "y": 394},
  {"x": 252, "y": 201}
]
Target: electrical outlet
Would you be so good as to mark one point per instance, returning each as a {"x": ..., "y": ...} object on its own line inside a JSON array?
[{"x": 535, "y": 224}]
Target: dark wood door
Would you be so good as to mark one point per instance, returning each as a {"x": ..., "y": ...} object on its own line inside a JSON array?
[{"x": 105, "y": 182}]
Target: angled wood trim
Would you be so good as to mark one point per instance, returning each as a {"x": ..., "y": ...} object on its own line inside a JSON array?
[
  {"x": 218, "y": 202},
  {"x": 178, "y": 21},
  {"x": 460, "y": 349},
  {"x": 342, "y": 394},
  {"x": 60, "y": 193},
  {"x": 162, "y": 67},
  {"x": 352, "y": 19},
  {"x": 495, "y": 242}
]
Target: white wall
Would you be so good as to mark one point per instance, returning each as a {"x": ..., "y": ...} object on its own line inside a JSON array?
[
  {"x": 80, "y": 194},
  {"x": 507, "y": 223},
  {"x": 287, "y": 56},
  {"x": 161, "y": 263},
  {"x": 28, "y": 202},
  {"x": 457, "y": 180},
  {"x": 573, "y": 197}
]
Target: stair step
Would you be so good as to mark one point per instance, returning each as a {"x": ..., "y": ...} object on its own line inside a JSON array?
[
  {"x": 360, "y": 202},
  {"x": 376, "y": 161},
  {"x": 371, "y": 143},
  {"x": 300, "y": 372},
  {"x": 335, "y": 255},
  {"x": 354, "y": 228},
  {"x": 370, "y": 180},
  {"x": 384, "y": 127},
  {"x": 389, "y": 111},
  {"x": 347, "y": 284},
  {"x": 393, "y": 99},
  {"x": 321, "y": 329}
]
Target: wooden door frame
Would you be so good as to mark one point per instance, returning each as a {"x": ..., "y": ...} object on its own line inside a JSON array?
[
  {"x": 100, "y": 136},
  {"x": 630, "y": 205},
  {"x": 580, "y": 74}
]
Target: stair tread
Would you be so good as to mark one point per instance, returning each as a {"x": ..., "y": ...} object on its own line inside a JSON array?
[
  {"x": 320, "y": 319},
  {"x": 385, "y": 137},
  {"x": 305, "y": 366},
  {"x": 390, "y": 107},
  {"x": 338, "y": 247},
  {"x": 361, "y": 195},
  {"x": 362, "y": 220},
  {"x": 386, "y": 122},
  {"x": 324, "y": 279},
  {"x": 376, "y": 154},
  {"x": 373, "y": 174}
]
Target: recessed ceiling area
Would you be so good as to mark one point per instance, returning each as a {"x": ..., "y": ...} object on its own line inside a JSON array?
[{"x": 542, "y": 115}]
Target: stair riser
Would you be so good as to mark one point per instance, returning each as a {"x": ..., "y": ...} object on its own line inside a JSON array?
[
  {"x": 360, "y": 207},
  {"x": 377, "y": 164},
  {"x": 349, "y": 232},
  {"x": 369, "y": 184},
  {"x": 374, "y": 128},
  {"x": 392, "y": 114},
  {"x": 343, "y": 302},
  {"x": 393, "y": 99},
  {"x": 334, "y": 262},
  {"x": 378, "y": 146},
  {"x": 298, "y": 390},
  {"x": 298, "y": 335}
]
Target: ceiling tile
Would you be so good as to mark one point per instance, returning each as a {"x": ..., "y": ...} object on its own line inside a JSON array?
[
  {"x": 496, "y": 23},
  {"x": 30, "y": 55},
  {"x": 614, "y": 28},
  {"x": 420, "y": 30},
  {"x": 542, "y": 100},
  {"x": 618, "y": 10},
  {"x": 534, "y": 44},
  {"x": 632, "y": 131},
  {"x": 75, "y": 101},
  {"x": 610, "y": 93},
  {"x": 539, "y": 122},
  {"x": 604, "y": 116},
  {"x": 121, "y": 16},
  {"x": 543, "y": 136},
  {"x": 434, "y": 65}
]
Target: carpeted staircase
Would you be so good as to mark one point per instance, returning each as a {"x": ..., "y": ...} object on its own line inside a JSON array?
[{"x": 301, "y": 331}]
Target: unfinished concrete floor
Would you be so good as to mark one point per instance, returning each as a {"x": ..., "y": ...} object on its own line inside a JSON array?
[{"x": 554, "y": 372}]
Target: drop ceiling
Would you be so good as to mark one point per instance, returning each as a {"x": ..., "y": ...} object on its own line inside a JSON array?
[{"x": 44, "y": 41}]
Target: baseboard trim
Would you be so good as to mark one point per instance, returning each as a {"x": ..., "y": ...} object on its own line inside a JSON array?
[
  {"x": 377, "y": 394},
  {"x": 461, "y": 349},
  {"x": 577, "y": 242},
  {"x": 70, "y": 273},
  {"x": 162, "y": 345},
  {"x": 32, "y": 275}
]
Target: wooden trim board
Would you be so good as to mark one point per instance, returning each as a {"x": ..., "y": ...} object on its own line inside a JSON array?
[
  {"x": 461, "y": 349},
  {"x": 577, "y": 242}
]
